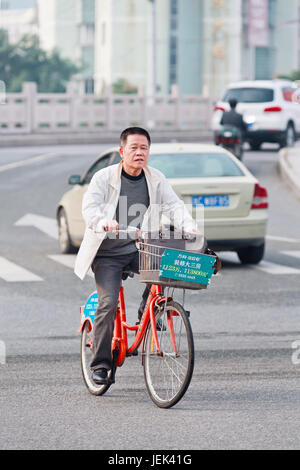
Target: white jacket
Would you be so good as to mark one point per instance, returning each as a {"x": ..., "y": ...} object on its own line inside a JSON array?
[{"x": 100, "y": 203}]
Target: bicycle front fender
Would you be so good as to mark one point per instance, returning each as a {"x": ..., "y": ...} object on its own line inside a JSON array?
[{"x": 87, "y": 320}]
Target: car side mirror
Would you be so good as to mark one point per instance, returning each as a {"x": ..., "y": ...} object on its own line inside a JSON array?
[{"x": 74, "y": 179}]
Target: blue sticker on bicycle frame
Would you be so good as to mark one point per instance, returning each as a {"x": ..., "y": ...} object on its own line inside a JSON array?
[
  {"x": 185, "y": 266},
  {"x": 90, "y": 307}
]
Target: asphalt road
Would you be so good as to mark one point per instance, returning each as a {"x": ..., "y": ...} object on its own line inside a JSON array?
[{"x": 245, "y": 391}]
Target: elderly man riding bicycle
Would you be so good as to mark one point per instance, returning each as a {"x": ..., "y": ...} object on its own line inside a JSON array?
[{"x": 115, "y": 195}]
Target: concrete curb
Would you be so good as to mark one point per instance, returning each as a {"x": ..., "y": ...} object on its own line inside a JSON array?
[{"x": 289, "y": 167}]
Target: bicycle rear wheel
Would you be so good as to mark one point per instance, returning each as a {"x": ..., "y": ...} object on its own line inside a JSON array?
[
  {"x": 85, "y": 358},
  {"x": 168, "y": 373}
]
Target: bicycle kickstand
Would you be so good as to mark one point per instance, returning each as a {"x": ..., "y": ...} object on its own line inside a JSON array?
[{"x": 113, "y": 370}]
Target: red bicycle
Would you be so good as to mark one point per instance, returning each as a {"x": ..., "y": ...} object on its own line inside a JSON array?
[{"x": 167, "y": 349}]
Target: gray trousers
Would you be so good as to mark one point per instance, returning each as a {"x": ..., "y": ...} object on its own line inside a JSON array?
[{"x": 108, "y": 276}]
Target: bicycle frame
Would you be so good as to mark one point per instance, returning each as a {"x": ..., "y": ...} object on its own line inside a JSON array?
[{"x": 120, "y": 340}]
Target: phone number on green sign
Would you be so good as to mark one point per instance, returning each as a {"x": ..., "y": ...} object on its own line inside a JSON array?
[{"x": 177, "y": 269}]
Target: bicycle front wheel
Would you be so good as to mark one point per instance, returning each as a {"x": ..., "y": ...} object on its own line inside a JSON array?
[
  {"x": 86, "y": 357},
  {"x": 168, "y": 372}
]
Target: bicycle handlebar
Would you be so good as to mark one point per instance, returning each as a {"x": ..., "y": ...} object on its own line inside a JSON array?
[
  {"x": 121, "y": 229},
  {"x": 130, "y": 229}
]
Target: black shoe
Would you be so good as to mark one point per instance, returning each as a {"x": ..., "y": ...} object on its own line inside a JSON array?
[{"x": 100, "y": 376}]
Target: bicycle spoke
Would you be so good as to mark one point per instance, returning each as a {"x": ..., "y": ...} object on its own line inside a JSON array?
[
  {"x": 173, "y": 374},
  {"x": 169, "y": 371}
]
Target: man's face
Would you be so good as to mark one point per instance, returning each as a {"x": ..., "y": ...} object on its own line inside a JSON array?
[{"x": 135, "y": 154}]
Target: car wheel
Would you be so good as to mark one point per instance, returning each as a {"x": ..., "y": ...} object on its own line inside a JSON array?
[
  {"x": 255, "y": 145},
  {"x": 251, "y": 254},
  {"x": 289, "y": 137},
  {"x": 64, "y": 239},
  {"x": 238, "y": 151}
]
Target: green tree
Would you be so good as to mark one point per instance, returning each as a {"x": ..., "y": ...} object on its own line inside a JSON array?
[
  {"x": 26, "y": 61},
  {"x": 123, "y": 86},
  {"x": 294, "y": 76}
]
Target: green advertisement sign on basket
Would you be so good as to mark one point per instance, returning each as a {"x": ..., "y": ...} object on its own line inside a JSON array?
[{"x": 185, "y": 266}]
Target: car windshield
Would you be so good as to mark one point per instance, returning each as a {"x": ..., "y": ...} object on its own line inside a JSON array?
[
  {"x": 250, "y": 95},
  {"x": 195, "y": 165},
  {"x": 109, "y": 159}
]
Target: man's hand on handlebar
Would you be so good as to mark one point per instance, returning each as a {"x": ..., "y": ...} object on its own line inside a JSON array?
[{"x": 111, "y": 226}]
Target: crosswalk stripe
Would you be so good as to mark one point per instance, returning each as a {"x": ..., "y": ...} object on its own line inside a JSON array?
[
  {"x": 283, "y": 239},
  {"x": 11, "y": 272},
  {"x": 295, "y": 254},
  {"x": 274, "y": 268},
  {"x": 230, "y": 257},
  {"x": 46, "y": 225},
  {"x": 68, "y": 261},
  {"x": 265, "y": 266}
]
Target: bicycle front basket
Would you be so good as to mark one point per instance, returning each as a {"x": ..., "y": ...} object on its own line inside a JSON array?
[{"x": 175, "y": 268}]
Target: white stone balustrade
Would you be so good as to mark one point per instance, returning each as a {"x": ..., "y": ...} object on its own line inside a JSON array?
[{"x": 30, "y": 112}]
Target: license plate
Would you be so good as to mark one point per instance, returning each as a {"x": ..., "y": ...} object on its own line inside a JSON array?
[{"x": 219, "y": 200}]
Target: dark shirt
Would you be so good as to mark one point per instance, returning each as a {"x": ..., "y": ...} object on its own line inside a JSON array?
[
  {"x": 132, "y": 205},
  {"x": 232, "y": 118}
]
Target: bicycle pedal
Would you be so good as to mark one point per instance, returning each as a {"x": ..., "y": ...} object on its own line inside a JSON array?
[
  {"x": 111, "y": 378},
  {"x": 160, "y": 325},
  {"x": 133, "y": 353}
]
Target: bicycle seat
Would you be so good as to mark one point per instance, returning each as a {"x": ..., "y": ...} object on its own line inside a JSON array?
[{"x": 127, "y": 274}]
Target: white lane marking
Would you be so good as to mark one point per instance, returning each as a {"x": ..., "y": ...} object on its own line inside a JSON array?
[
  {"x": 47, "y": 225},
  {"x": 11, "y": 272},
  {"x": 276, "y": 269},
  {"x": 28, "y": 161},
  {"x": 68, "y": 261},
  {"x": 230, "y": 256},
  {"x": 265, "y": 266},
  {"x": 283, "y": 239},
  {"x": 295, "y": 254}
]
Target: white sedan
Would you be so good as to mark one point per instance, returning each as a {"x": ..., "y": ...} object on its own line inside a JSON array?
[{"x": 227, "y": 201}]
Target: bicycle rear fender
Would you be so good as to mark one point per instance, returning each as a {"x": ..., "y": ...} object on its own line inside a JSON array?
[{"x": 88, "y": 310}]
